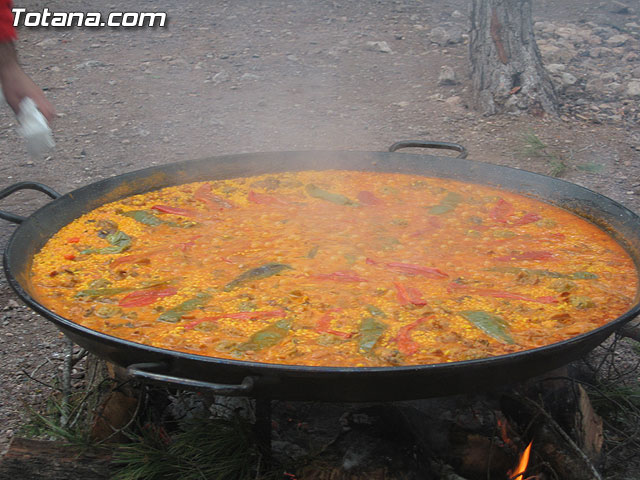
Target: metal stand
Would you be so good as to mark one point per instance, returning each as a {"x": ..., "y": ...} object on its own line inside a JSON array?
[{"x": 263, "y": 427}]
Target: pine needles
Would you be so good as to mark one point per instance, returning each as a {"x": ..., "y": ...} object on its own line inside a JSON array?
[
  {"x": 48, "y": 425},
  {"x": 533, "y": 147},
  {"x": 212, "y": 449}
]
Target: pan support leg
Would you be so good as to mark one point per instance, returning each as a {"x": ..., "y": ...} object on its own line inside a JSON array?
[{"x": 263, "y": 427}]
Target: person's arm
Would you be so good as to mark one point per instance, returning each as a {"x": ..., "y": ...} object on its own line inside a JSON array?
[{"x": 16, "y": 84}]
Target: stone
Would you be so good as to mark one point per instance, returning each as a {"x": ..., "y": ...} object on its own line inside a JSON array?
[
  {"x": 382, "y": 47},
  {"x": 220, "y": 77},
  {"x": 545, "y": 27},
  {"x": 598, "y": 52},
  {"x": 616, "y": 40},
  {"x": 453, "y": 101},
  {"x": 554, "y": 54},
  {"x": 609, "y": 77},
  {"x": 615, "y": 87},
  {"x": 563, "y": 43},
  {"x": 568, "y": 79},
  {"x": 444, "y": 36},
  {"x": 633, "y": 88},
  {"x": 90, "y": 64},
  {"x": 556, "y": 68},
  {"x": 47, "y": 42},
  {"x": 619, "y": 8},
  {"x": 594, "y": 40},
  {"x": 447, "y": 76},
  {"x": 12, "y": 304},
  {"x": 594, "y": 86},
  {"x": 540, "y": 25}
]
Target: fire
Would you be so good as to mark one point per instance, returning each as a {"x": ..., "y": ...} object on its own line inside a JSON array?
[
  {"x": 522, "y": 464},
  {"x": 503, "y": 426}
]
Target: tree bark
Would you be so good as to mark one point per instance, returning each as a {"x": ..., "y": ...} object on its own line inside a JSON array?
[{"x": 506, "y": 65}]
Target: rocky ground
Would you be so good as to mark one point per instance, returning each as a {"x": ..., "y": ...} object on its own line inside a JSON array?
[{"x": 247, "y": 76}]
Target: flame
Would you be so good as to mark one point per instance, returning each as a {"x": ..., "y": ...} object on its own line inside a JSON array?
[{"x": 522, "y": 464}]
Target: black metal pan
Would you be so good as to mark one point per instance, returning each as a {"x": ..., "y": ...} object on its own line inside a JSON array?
[{"x": 234, "y": 377}]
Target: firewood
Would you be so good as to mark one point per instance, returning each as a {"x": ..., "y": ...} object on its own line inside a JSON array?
[
  {"x": 114, "y": 414},
  {"x": 631, "y": 330},
  {"x": 27, "y": 459},
  {"x": 560, "y": 451},
  {"x": 588, "y": 427}
]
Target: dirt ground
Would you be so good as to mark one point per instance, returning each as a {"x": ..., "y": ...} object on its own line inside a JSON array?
[{"x": 247, "y": 76}]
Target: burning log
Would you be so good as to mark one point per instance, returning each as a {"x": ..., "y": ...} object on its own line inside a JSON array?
[
  {"x": 523, "y": 463},
  {"x": 571, "y": 451}
]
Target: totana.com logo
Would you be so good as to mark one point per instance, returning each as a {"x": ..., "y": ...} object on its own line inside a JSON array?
[{"x": 47, "y": 18}]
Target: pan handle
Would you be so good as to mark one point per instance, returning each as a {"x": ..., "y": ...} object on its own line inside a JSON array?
[
  {"x": 12, "y": 217},
  {"x": 141, "y": 371},
  {"x": 430, "y": 144}
]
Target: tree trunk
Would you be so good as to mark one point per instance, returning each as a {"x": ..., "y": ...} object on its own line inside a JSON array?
[{"x": 506, "y": 66}]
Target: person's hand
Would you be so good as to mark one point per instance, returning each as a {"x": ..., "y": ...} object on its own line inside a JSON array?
[{"x": 17, "y": 85}]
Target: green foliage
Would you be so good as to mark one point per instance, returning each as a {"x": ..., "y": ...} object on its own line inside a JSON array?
[
  {"x": 48, "y": 424},
  {"x": 591, "y": 167},
  {"x": 212, "y": 449},
  {"x": 557, "y": 167},
  {"x": 532, "y": 146},
  {"x": 617, "y": 403}
]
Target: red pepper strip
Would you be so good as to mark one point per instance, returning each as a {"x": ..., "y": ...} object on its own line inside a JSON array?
[
  {"x": 430, "y": 272},
  {"x": 184, "y": 246},
  {"x": 69, "y": 256},
  {"x": 368, "y": 199},
  {"x": 73, "y": 240},
  {"x": 340, "y": 277},
  {"x": 238, "y": 316},
  {"x": 552, "y": 237},
  {"x": 485, "y": 292},
  {"x": 141, "y": 298},
  {"x": 264, "y": 199},
  {"x": 534, "y": 255},
  {"x": 175, "y": 210},
  {"x": 501, "y": 211},
  {"x": 526, "y": 218},
  {"x": 135, "y": 258},
  {"x": 408, "y": 295},
  {"x": 204, "y": 195},
  {"x": 404, "y": 341},
  {"x": 324, "y": 326},
  {"x": 434, "y": 224}
]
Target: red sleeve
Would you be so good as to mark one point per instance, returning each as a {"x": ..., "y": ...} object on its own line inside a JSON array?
[{"x": 7, "y": 32}]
